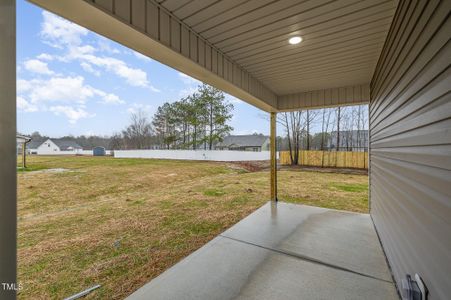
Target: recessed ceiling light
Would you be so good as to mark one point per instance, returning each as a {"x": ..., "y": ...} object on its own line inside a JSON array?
[{"x": 295, "y": 40}]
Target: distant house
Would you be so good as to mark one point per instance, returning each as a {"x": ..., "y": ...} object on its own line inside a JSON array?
[
  {"x": 252, "y": 142},
  {"x": 32, "y": 146},
  {"x": 350, "y": 140},
  {"x": 58, "y": 146}
]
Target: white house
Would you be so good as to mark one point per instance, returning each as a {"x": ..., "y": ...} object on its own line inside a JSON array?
[{"x": 58, "y": 146}]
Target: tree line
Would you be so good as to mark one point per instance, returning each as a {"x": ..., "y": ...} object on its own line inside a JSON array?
[{"x": 197, "y": 121}]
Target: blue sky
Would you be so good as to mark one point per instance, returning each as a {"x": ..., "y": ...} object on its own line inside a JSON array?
[{"x": 73, "y": 81}]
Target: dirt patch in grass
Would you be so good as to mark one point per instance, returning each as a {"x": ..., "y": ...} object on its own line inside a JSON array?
[{"x": 121, "y": 222}]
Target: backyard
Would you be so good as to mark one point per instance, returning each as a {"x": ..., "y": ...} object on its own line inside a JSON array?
[{"x": 84, "y": 221}]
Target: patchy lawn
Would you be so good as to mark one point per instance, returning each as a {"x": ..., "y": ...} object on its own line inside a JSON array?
[{"x": 121, "y": 222}]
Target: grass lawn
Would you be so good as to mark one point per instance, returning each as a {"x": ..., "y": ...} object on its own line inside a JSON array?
[{"x": 120, "y": 222}]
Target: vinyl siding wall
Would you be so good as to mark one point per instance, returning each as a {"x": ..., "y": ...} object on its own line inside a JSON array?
[{"x": 410, "y": 145}]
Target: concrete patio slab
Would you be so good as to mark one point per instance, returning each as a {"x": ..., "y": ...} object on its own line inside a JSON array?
[
  {"x": 341, "y": 238},
  {"x": 283, "y": 252}
]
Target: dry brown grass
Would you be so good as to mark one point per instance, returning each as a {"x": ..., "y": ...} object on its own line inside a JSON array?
[{"x": 121, "y": 222}]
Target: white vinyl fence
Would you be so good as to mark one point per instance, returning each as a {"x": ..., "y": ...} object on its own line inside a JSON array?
[
  {"x": 212, "y": 155},
  {"x": 89, "y": 152},
  {"x": 70, "y": 152}
]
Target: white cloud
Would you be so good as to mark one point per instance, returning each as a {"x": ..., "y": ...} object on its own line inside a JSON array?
[
  {"x": 88, "y": 68},
  {"x": 134, "y": 77},
  {"x": 59, "y": 89},
  {"x": 23, "y": 85},
  {"x": 79, "y": 51},
  {"x": 45, "y": 56},
  {"x": 104, "y": 45},
  {"x": 109, "y": 98},
  {"x": 63, "y": 34},
  {"x": 37, "y": 66},
  {"x": 73, "y": 114},
  {"x": 24, "y": 105},
  {"x": 65, "y": 96},
  {"x": 70, "y": 89},
  {"x": 135, "y": 107},
  {"x": 59, "y": 32}
]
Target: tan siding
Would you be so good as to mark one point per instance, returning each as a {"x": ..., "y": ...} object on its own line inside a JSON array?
[
  {"x": 122, "y": 9},
  {"x": 139, "y": 14},
  {"x": 350, "y": 95},
  {"x": 410, "y": 145}
]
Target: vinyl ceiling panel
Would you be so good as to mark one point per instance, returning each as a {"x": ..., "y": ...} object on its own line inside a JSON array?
[{"x": 342, "y": 39}]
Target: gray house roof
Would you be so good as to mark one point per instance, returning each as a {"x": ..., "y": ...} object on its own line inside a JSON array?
[
  {"x": 251, "y": 140},
  {"x": 65, "y": 144},
  {"x": 35, "y": 143}
]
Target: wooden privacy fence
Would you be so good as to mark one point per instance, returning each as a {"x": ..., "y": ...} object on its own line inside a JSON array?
[{"x": 336, "y": 159}]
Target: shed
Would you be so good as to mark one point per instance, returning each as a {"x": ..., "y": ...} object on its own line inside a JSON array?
[
  {"x": 21, "y": 142},
  {"x": 98, "y": 151}
]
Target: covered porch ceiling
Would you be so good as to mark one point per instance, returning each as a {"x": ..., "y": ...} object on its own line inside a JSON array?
[{"x": 242, "y": 46}]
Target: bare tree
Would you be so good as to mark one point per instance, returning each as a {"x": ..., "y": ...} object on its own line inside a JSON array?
[
  {"x": 338, "y": 127},
  {"x": 310, "y": 118},
  {"x": 292, "y": 123},
  {"x": 137, "y": 135},
  {"x": 324, "y": 131},
  {"x": 115, "y": 142},
  {"x": 347, "y": 128}
]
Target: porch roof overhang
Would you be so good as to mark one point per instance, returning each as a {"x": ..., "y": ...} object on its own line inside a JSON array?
[{"x": 242, "y": 47}]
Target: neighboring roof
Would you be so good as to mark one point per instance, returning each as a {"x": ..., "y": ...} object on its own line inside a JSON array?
[
  {"x": 65, "y": 144},
  {"x": 35, "y": 143},
  {"x": 251, "y": 140}
]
